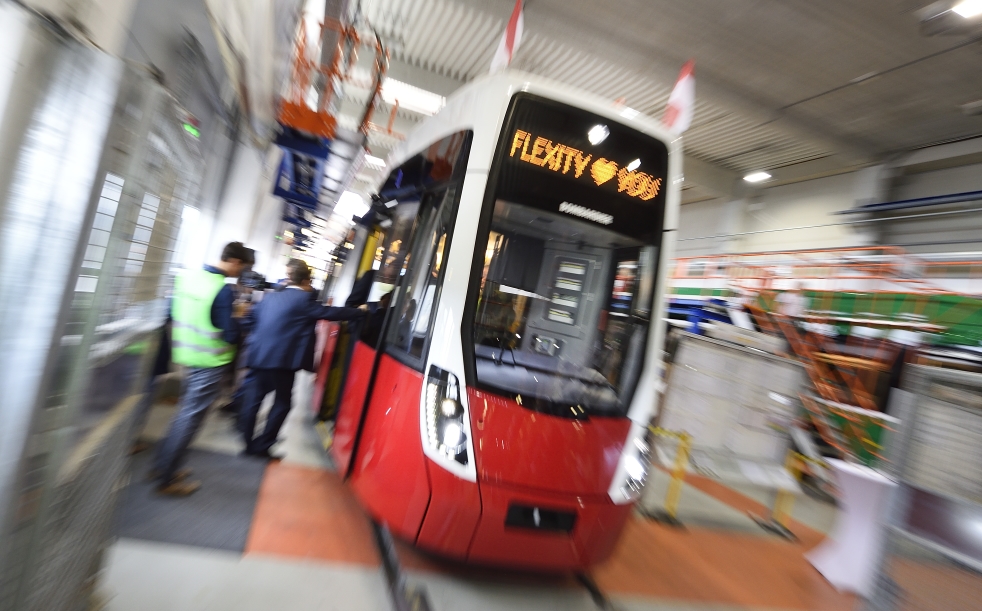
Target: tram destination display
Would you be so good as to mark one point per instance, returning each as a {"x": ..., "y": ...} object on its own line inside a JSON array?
[{"x": 563, "y": 159}]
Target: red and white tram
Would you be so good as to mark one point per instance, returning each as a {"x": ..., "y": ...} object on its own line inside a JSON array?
[{"x": 496, "y": 411}]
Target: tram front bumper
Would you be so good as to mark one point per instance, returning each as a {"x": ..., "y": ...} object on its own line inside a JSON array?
[{"x": 545, "y": 531}]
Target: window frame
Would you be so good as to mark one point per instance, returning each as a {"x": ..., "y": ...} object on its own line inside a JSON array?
[
  {"x": 438, "y": 214},
  {"x": 435, "y": 178}
]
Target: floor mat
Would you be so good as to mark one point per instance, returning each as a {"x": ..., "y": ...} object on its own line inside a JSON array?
[{"x": 217, "y": 516}]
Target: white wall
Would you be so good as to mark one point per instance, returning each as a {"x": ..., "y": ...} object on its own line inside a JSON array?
[
  {"x": 789, "y": 217},
  {"x": 697, "y": 221},
  {"x": 809, "y": 204},
  {"x": 940, "y": 233},
  {"x": 802, "y": 215},
  {"x": 247, "y": 212},
  {"x": 940, "y": 182}
]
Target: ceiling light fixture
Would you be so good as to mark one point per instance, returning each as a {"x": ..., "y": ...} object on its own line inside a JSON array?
[
  {"x": 597, "y": 134},
  {"x": 629, "y": 113},
  {"x": 634, "y": 165},
  {"x": 375, "y": 162},
  {"x": 350, "y": 204},
  {"x": 968, "y": 8},
  {"x": 411, "y": 98},
  {"x": 757, "y": 177}
]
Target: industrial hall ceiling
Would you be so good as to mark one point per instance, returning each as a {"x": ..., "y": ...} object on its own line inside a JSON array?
[{"x": 821, "y": 86}]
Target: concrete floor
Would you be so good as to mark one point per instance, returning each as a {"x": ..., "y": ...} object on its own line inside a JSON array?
[
  {"x": 696, "y": 508},
  {"x": 657, "y": 568}
]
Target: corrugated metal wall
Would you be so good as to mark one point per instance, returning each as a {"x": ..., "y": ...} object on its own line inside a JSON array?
[{"x": 458, "y": 41}]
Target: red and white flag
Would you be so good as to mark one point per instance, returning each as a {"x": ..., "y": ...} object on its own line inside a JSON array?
[
  {"x": 510, "y": 40},
  {"x": 678, "y": 113}
]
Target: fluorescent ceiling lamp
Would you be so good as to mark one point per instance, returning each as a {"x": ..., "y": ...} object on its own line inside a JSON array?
[
  {"x": 968, "y": 8},
  {"x": 757, "y": 177},
  {"x": 634, "y": 165},
  {"x": 597, "y": 134},
  {"x": 412, "y": 98},
  {"x": 629, "y": 113},
  {"x": 375, "y": 162},
  {"x": 311, "y": 21},
  {"x": 349, "y": 205}
]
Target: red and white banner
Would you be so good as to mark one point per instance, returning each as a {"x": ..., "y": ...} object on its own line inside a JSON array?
[
  {"x": 510, "y": 40},
  {"x": 678, "y": 113}
]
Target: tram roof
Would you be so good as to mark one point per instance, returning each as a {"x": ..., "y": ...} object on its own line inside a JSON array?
[{"x": 481, "y": 105}]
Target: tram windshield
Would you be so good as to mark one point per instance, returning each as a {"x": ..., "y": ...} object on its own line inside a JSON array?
[
  {"x": 565, "y": 297},
  {"x": 563, "y": 312}
]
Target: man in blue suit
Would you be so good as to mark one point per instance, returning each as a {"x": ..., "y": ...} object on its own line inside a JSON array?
[{"x": 281, "y": 343}]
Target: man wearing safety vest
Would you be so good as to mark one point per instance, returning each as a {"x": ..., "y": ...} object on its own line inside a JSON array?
[{"x": 204, "y": 335}]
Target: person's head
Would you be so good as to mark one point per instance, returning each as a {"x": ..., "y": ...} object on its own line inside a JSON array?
[
  {"x": 236, "y": 258},
  {"x": 298, "y": 272}
]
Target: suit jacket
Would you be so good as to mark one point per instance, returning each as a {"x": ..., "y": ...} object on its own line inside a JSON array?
[{"x": 283, "y": 329}]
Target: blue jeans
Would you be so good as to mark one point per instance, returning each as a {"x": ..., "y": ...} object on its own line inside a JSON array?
[
  {"x": 261, "y": 383},
  {"x": 201, "y": 388}
]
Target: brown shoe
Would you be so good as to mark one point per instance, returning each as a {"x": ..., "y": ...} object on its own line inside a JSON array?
[
  {"x": 140, "y": 446},
  {"x": 181, "y": 474},
  {"x": 179, "y": 488}
]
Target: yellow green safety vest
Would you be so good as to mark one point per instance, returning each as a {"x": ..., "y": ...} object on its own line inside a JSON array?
[{"x": 197, "y": 342}]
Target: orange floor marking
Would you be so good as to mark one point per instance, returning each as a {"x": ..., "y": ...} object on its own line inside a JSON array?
[
  {"x": 700, "y": 565},
  {"x": 309, "y": 513}
]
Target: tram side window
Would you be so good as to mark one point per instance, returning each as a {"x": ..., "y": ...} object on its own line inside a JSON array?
[{"x": 410, "y": 329}]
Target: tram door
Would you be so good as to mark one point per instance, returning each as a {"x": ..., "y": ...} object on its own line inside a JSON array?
[{"x": 385, "y": 377}]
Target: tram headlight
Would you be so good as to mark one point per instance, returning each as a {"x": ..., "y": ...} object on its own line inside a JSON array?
[
  {"x": 635, "y": 469},
  {"x": 453, "y": 435},
  {"x": 637, "y": 461},
  {"x": 445, "y": 428},
  {"x": 450, "y": 408}
]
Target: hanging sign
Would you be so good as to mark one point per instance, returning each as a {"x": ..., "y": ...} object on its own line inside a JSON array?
[{"x": 301, "y": 172}]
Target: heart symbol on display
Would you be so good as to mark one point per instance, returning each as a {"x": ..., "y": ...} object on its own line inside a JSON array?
[{"x": 603, "y": 170}]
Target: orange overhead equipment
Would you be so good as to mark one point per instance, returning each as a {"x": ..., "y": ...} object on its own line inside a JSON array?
[
  {"x": 392, "y": 117},
  {"x": 847, "y": 373},
  {"x": 315, "y": 117},
  {"x": 381, "y": 67}
]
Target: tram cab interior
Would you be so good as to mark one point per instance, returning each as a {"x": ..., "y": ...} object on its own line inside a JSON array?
[{"x": 563, "y": 311}]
